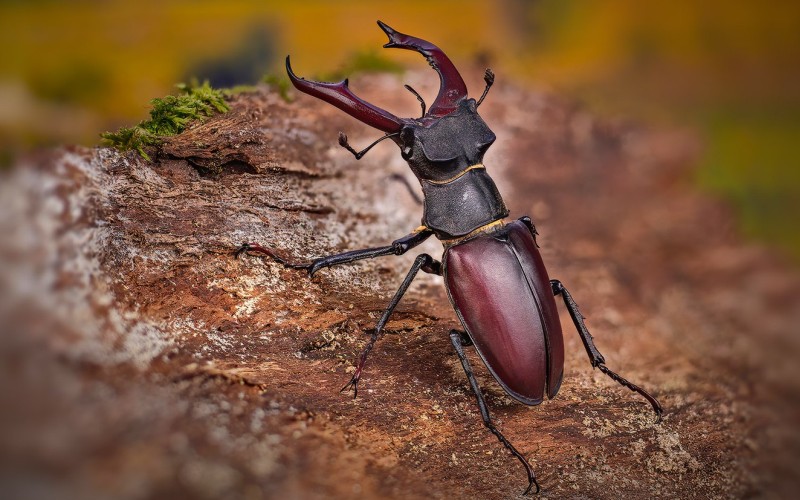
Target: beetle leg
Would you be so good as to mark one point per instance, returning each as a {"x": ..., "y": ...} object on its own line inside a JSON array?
[
  {"x": 255, "y": 247},
  {"x": 531, "y": 227},
  {"x": 595, "y": 357},
  {"x": 466, "y": 341},
  {"x": 398, "y": 247},
  {"x": 457, "y": 339},
  {"x": 424, "y": 262},
  {"x": 360, "y": 154},
  {"x": 488, "y": 77},
  {"x": 400, "y": 178}
]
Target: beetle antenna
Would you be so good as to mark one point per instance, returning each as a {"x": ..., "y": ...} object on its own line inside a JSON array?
[
  {"x": 419, "y": 98},
  {"x": 358, "y": 154},
  {"x": 404, "y": 181},
  {"x": 488, "y": 77}
]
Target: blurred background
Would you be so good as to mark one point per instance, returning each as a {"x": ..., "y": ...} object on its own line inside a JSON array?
[{"x": 727, "y": 69}]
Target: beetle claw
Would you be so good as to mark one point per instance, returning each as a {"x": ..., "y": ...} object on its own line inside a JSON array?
[
  {"x": 635, "y": 388},
  {"x": 531, "y": 483},
  {"x": 311, "y": 267},
  {"x": 353, "y": 383},
  {"x": 243, "y": 248}
]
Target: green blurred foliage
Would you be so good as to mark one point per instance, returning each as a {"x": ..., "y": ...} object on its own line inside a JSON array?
[
  {"x": 170, "y": 115},
  {"x": 730, "y": 68},
  {"x": 364, "y": 61}
]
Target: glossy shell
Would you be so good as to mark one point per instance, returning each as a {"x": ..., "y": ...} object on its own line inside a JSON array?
[{"x": 500, "y": 290}]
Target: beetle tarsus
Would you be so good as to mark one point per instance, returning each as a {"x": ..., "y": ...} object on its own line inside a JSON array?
[
  {"x": 424, "y": 262},
  {"x": 488, "y": 77},
  {"x": 456, "y": 339},
  {"x": 243, "y": 248},
  {"x": 597, "y": 359},
  {"x": 255, "y": 247},
  {"x": 353, "y": 383},
  {"x": 635, "y": 388},
  {"x": 398, "y": 247}
]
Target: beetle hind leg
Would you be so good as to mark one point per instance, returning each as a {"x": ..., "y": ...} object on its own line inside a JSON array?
[
  {"x": 402, "y": 180},
  {"x": 597, "y": 359},
  {"x": 457, "y": 338},
  {"x": 424, "y": 262}
]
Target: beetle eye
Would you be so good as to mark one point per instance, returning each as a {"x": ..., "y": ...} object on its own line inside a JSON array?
[
  {"x": 407, "y": 142},
  {"x": 407, "y": 136}
]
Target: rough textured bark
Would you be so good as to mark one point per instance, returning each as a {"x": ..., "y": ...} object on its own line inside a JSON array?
[{"x": 139, "y": 359}]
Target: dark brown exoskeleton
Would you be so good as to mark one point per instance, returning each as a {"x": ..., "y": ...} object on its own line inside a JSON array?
[{"x": 494, "y": 274}]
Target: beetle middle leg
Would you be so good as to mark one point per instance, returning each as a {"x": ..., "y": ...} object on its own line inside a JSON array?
[
  {"x": 457, "y": 339},
  {"x": 597, "y": 359},
  {"x": 424, "y": 262}
]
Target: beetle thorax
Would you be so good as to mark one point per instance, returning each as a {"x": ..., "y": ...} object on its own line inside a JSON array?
[
  {"x": 443, "y": 148},
  {"x": 447, "y": 158}
]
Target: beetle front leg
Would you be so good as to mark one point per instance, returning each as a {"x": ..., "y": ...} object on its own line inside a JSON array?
[
  {"x": 360, "y": 154},
  {"x": 398, "y": 247},
  {"x": 456, "y": 337},
  {"x": 424, "y": 262},
  {"x": 597, "y": 359},
  {"x": 531, "y": 227}
]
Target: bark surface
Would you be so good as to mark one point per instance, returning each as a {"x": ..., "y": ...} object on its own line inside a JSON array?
[{"x": 139, "y": 359}]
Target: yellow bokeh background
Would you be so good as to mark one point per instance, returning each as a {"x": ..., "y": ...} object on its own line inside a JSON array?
[{"x": 728, "y": 69}]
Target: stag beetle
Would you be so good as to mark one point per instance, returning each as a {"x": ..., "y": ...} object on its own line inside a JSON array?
[{"x": 494, "y": 275}]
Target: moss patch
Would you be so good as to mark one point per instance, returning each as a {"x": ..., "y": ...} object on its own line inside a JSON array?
[
  {"x": 280, "y": 83},
  {"x": 368, "y": 61},
  {"x": 170, "y": 115}
]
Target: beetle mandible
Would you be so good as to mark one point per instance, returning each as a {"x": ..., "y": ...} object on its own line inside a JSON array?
[{"x": 493, "y": 273}]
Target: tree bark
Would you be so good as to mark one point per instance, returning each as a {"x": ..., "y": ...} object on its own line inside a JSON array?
[{"x": 141, "y": 359}]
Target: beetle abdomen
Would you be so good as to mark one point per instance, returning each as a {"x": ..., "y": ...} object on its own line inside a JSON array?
[{"x": 502, "y": 295}]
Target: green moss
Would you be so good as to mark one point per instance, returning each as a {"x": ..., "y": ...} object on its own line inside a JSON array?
[
  {"x": 170, "y": 115},
  {"x": 359, "y": 62},
  {"x": 239, "y": 89},
  {"x": 6, "y": 158},
  {"x": 368, "y": 61},
  {"x": 750, "y": 160},
  {"x": 279, "y": 83}
]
